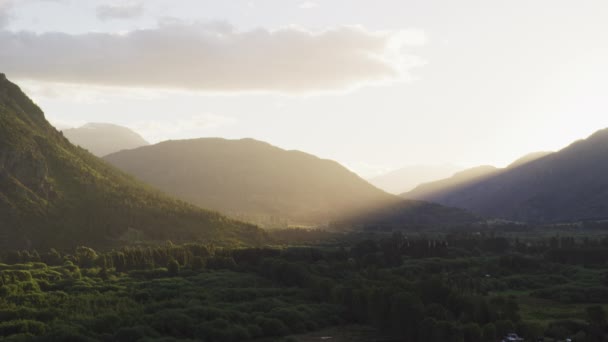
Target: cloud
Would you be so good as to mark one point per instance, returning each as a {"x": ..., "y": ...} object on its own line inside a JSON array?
[
  {"x": 308, "y": 5},
  {"x": 5, "y": 16},
  {"x": 214, "y": 57},
  {"x": 6, "y": 6},
  {"x": 128, "y": 11}
]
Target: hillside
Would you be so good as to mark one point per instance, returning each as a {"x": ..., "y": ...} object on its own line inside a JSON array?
[
  {"x": 104, "y": 138},
  {"x": 569, "y": 185},
  {"x": 55, "y": 194},
  {"x": 257, "y": 182},
  {"x": 434, "y": 191},
  {"x": 407, "y": 178}
]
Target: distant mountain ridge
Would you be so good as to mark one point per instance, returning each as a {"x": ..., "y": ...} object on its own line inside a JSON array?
[
  {"x": 407, "y": 178},
  {"x": 433, "y": 191},
  {"x": 568, "y": 185},
  {"x": 104, "y": 138},
  {"x": 256, "y": 181},
  {"x": 54, "y": 194}
]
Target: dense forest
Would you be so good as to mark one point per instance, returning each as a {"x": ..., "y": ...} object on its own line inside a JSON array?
[{"x": 441, "y": 287}]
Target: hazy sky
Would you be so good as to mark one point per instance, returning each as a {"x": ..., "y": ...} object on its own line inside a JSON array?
[{"x": 374, "y": 85}]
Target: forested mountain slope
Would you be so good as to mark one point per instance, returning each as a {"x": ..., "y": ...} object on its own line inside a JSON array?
[{"x": 53, "y": 193}]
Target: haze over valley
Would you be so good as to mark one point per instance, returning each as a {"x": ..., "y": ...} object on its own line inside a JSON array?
[{"x": 286, "y": 170}]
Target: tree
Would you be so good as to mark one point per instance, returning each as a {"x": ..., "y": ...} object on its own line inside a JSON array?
[
  {"x": 173, "y": 267},
  {"x": 596, "y": 315},
  {"x": 489, "y": 332},
  {"x": 86, "y": 256},
  {"x": 198, "y": 263}
]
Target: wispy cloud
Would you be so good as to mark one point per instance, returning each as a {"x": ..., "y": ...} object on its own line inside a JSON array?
[
  {"x": 122, "y": 11},
  {"x": 214, "y": 57}
]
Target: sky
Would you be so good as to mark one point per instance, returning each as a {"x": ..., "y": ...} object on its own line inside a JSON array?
[{"x": 374, "y": 85}]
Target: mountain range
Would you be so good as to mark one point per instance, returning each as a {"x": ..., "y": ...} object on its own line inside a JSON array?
[
  {"x": 53, "y": 193},
  {"x": 565, "y": 186},
  {"x": 407, "y": 178},
  {"x": 257, "y": 182}
]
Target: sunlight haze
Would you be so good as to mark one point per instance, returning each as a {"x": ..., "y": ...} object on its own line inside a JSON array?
[{"x": 374, "y": 86}]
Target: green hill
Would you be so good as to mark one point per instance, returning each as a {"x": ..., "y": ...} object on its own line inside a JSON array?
[
  {"x": 261, "y": 183},
  {"x": 55, "y": 194}
]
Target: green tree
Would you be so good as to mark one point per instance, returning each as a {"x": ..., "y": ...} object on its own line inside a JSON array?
[
  {"x": 173, "y": 267},
  {"x": 198, "y": 263},
  {"x": 86, "y": 256}
]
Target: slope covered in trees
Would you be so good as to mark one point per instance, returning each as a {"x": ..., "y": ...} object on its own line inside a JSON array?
[
  {"x": 256, "y": 181},
  {"x": 104, "y": 138},
  {"x": 569, "y": 185},
  {"x": 55, "y": 194}
]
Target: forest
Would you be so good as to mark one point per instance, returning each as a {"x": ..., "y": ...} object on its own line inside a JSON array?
[{"x": 416, "y": 287}]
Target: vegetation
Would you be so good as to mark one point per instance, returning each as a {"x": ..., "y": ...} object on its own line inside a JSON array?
[
  {"x": 461, "y": 287},
  {"x": 54, "y": 194}
]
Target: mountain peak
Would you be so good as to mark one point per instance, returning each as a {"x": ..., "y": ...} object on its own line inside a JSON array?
[
  {"x": 20, "y": 104},
  {"x": 102, "y": 138}
]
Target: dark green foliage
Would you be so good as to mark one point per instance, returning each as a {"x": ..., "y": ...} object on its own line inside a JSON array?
[
  {"x": 53, "y": 194},
  {"x": 173, "y": 267},
  {"x": 406, "y": 287}
]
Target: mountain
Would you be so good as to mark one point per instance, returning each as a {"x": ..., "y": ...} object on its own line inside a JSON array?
[
  {"x": 569, "y": 185},
  {"x": 434, "y": 191},
  {"x": 528, "y": 158},
  {"x": 406, "y": 178},
  {"x": 257, "y": 182},
  {"x": 104, "y": 138},
  {"x": 54, "y": 194}
]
